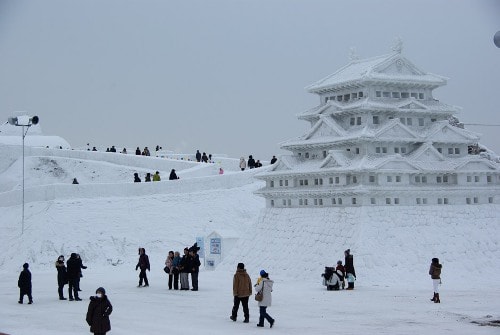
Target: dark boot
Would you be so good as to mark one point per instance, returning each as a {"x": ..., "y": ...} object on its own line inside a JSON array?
[
  {"x": 232, "y": 317},
  {"x": 434, "y": 297},
  {"x": 247, "y": 319},
  {"x": 437, "y": 301}
]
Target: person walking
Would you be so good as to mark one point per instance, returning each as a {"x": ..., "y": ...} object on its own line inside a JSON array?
[
  {"x": 73, "y": 271},
  {"x": 266, "y": 285},
  {"x": 349, "y": 269},
  {"x": 143, "y": 264},
  {"x": 435, "y": 273},
  {"x": 62, "y": 276},
  {"x": 24, "y": 284},
  {"x": 98, "y": 312},
  {"x": 242, "y": 289}
]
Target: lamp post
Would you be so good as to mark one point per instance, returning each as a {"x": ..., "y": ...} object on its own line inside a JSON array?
[{"x": 23, "y": 121}]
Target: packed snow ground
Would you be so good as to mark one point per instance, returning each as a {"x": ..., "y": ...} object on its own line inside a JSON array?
[{"x": 392, "y": 249}]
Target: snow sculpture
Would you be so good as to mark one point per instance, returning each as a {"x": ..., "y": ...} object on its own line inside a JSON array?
[{"x": 379, "y": 137}]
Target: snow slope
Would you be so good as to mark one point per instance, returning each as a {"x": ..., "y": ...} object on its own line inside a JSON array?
[{"x": 107, "y": 218}]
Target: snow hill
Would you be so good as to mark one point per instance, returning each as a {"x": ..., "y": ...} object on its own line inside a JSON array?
[{"x": 106, "y": 217}]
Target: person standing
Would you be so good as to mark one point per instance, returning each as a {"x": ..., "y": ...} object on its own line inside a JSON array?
[
  {"x": 341, "y": 268},
  {"x": 176, "y": 263},
  {"x": 185, "y": 268},
  {"x": 138, "y": 151},
  {"x": 156, "y": 176},
  {"x": 435, "y": 273},
  {"x": 73, "y": 271},
  {"x": 136, "y": 178},
  {"x": 273, "y": 160},
  {"x": 243, "y": 164},
  {"x": 242, "y": 289},
  {"x": 81, "y": 266},
  {"x": 198, "y": 156},
  {"x": 266, "y": 285},
  {"x": 195, "y": 266},
  {"x": 173, "y": 175},
  {"x": 98, "y": 312},
  {"x": 349, "y": 269},
  {"x": 24, "y": 284},
  {"x": 148, "y": 177},
  {"x": 251, "y": 162},
  {"x": 143, "y": 264},
  {"x": 169, "y": 268},
  {"x": 62, "y": 277}
]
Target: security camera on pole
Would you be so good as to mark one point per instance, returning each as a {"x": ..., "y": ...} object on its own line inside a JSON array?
[{"x": 23, "y": 121}]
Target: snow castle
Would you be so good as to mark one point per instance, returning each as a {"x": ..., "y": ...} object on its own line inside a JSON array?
[{"x": 380, "y": 138}]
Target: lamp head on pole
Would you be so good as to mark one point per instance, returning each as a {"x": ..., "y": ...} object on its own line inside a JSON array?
[{"x": 23, "y": 120}]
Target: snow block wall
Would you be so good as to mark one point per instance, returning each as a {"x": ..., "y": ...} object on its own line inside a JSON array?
[{"x": 391, "y": 245}]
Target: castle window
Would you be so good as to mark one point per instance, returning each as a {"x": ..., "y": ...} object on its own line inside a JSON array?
[
  {"x": 386, "y": 94},
  {"x": 403, "y": 150},
  {"x": 445, "y": 179},
  {"x": 398, "y": 179},
  {"x": 339, "y": 201},
  {"x": 286, "y": 182},
  {"x": 438, "y": 179},
  {"x": 414, "y": 95},
  {"x": 301, "y": 182},
  {"x": 488, "y": 179},
  {"x": 476, "y": 200},
  {"x": 375, "y": 119},
  {"x": 440, "y": 201},
  {"x": 352, "y": 121},
  {"x": 424, "y": 201},
  {"x": 330, "y": 180},
  {"x": 468, "y": 201},
  {"x": 354, "y": 95},
  {"x": 450, "y": 151},
  {"x": 417, "y": 179},
  {"x": 389, "y": 179},
  {"x": 315, "y": 202},
  {"x": 421, "y": 96},
  {"x": 457, "y": 151},
  {"x": 318, "y": 181},
  {"x": 289, "y": 202},
  {"x": 387, "y": 201},
  {"x": 371, "y": 179},
  {"x": 339, "y": 98},
  {"x": 405, "y": 95},
  {"x": 384, "y": 150},
  {"x": 445, "y": 201},
  {"x": 324, "y": 153},
  {"x": 419, "y": 201},
  {"x": 281, "y": 182},
  {"x": 354, "y": 179},
  {"x": 360, "y": 94},
  {"x": 353, "y": 200},
  {"x": 320, "y": 202},
  {"x": 396, "y": 201},
  {"x": 337, "y": 180},
  {"x": 469, "y": 179},
  {"x": 372, "y": 201},
  {"x": 284, "y": 203},
  {"x": 334, "y": 201},
  {"x": 357, "y": 151},
  {"x": 377, "y": 150},
  {"x": 424, "y": 179},
  {"x": 271, "y": 183},
  {"x": 272, "y": 203},
  {"x": 326, "y": 100},
  {"x": 396, "y": 95},
  {"x": 421, "y": 121},
  {"x": 490, "y": 200},
  {"x": 433, "y": 120},
  {"x": 358, "y": 120},
  {"x": 378, "y": 94},
  {"x": 409, "y": 121},
  {"x": 440, "y": 150},
  {"x": 396, "y": 150},
  {"x": 476, "y": 179},
  {"x": 347, "y": 97},
  {"x": 402, "y": 120},
  {"x": 306, "y": 155}
]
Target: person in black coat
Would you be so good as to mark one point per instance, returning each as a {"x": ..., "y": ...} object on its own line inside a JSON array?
[
  {"x": 80, "y": 264},
  {"x": 136, "y": 178},
  {"x": 349, "y": 269},
  {"x": 143, "y": 264},
  {"x": 24, "y": 284},
  {"x": 273, "y": 160},
  {"x": 195, "y": 265},
  {"x": 98, "y": 312},
  {"x": 198, "y": 156},
  {"x": 73, "y": 272},
  {"x": 62, "y": 276},
  {"x": 251, "y": 162},
  {"x": 185, "y": 268},
  {"x": 173, "y": 175}
]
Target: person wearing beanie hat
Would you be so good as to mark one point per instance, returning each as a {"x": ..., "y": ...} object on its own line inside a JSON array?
[
  {"x": 266, "y": 286},
  {"x": 98, "y": 312},
  {"x": 242, "y": 289},
  {"x": 24, "y": 284},
  {"x": 62, "y": 276}
]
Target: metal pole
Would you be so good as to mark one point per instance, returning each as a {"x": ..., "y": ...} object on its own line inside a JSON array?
[{"x": 22, "y": 224}]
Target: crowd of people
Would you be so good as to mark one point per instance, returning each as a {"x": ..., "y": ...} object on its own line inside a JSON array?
[{"x": 334, "y": 278}]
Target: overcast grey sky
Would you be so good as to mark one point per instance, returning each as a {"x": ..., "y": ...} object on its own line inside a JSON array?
[{"x": 226, "y": 76}]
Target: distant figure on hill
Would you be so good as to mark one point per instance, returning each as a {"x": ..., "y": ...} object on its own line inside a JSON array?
[
  {"x": 251, "y": 162},
  {"x": 62, "y": 276},
  {"x": 113, "y": 149},
  {"x": 156, "y": 176},
  {"x": 243, "y": 164},
  {"x": 24, "y": 284},
  {"x": 75, "y": 181},
  {"x": 148, "y": 177},
  {"x": 209, "y": 157},
  {"x": 124, "y": 151},
  {"x": 146, "y": 152},
  {"x": 435, "y": 273},
  {"x": 98, "y": 312},
  {"x": 349, "y": 269},
  {"x": 242, "y": 289},
  {"x": 221, "y": 171},
  {"x": 273, "y": 160},
  {"x": 80, "y": 267},
  {"x": 204, "y": 158},
  {"x": 173, "y": 175},
  {"x": 258, "y": 164},
  {"x": 157, "y": 148},
  {"x": 198, "y": 156},
  {"x": 143, "y": 264},
  {"x": 73, "y": 270},
  {"x": 94, "y": 149},
  {"x": 138, "y": 151},
  {"x": 136, "y": 178}
]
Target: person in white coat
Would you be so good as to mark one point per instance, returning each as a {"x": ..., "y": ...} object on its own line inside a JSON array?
[
  {"x": 266, "y": 285},
  {"x": 243, "y": 164}
]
